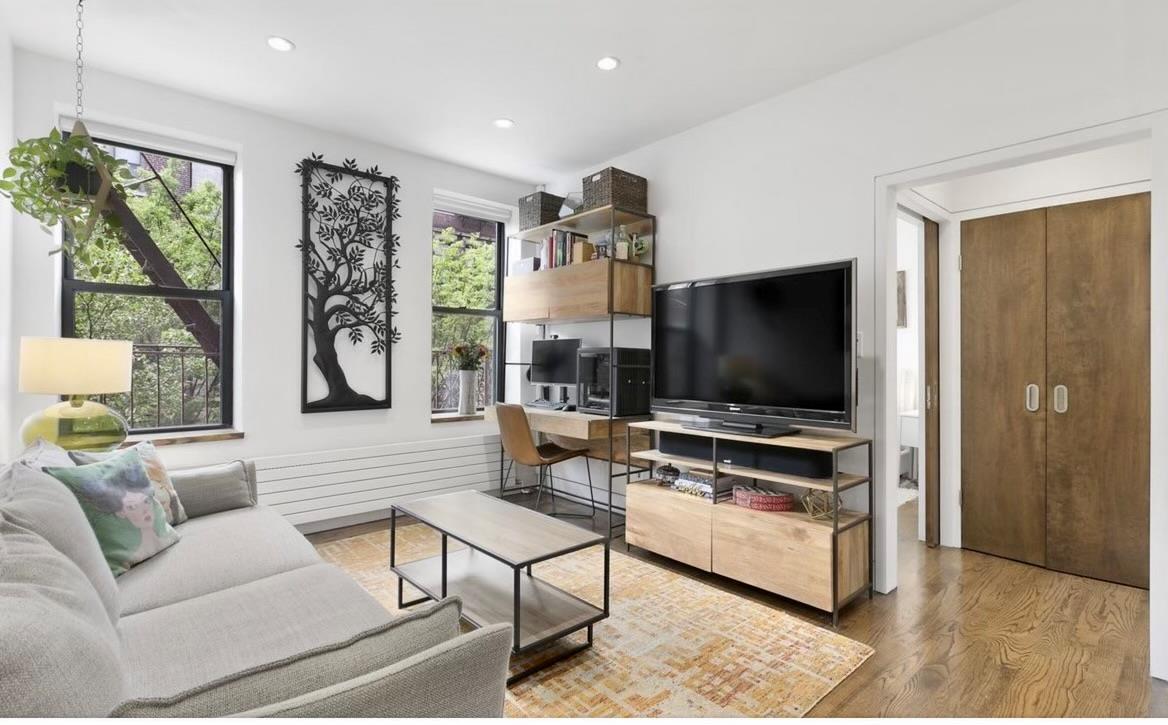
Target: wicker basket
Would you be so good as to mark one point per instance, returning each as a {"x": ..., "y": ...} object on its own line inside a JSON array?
[
  {"x": 538, "y": 209},
  {"x": 616, "y": 187},
  {"x": 759, "y": 499}
]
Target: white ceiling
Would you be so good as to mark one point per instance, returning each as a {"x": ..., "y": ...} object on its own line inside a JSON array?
[
  {"x": 430, "y": 75},
  {"x": 1096, "y": 170}
]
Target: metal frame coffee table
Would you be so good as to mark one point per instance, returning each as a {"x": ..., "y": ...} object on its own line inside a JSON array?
[{"x": 493, "y": 575}]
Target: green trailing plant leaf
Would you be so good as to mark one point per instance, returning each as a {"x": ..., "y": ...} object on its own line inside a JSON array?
[{"x": 38, "y": 183}]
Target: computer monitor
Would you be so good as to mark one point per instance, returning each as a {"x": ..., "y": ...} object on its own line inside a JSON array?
[{"x": 553, "y": 362}]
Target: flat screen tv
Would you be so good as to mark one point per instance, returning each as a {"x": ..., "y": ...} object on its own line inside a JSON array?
[{"x": 758, "y": 353}]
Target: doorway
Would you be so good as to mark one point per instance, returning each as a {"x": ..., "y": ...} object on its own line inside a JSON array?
[{"x": 1003, "y": 200}]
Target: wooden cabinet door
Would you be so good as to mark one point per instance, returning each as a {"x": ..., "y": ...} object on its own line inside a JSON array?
[
  {"x": 1098, "y": 300},
  {"x": 1003, "y": 351}
]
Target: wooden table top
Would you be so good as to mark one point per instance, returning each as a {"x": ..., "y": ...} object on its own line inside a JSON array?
[{"x": 513, "y": 533}]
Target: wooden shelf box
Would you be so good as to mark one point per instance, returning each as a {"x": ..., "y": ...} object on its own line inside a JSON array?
[{"x": 578, "y": 292}]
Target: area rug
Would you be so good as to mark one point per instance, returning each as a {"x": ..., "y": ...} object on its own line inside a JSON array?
[{"x": 672, "y": 647}]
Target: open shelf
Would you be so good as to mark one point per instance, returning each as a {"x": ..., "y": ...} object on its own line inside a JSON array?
[
  {"x": 487, "y": 590},
  {"x": 846, "y": 480},
  {"x": 847, "y": 517},
  {"x": 593, "y": 221},
  {"x": 823, "y": 442}
]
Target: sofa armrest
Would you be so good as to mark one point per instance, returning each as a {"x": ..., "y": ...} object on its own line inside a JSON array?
[
  {"x": 462, "y": 677},
  {"x": 211, "y": 489}
]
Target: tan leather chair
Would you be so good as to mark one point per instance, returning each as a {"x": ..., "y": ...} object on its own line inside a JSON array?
[{"x": 515, "y": 432}]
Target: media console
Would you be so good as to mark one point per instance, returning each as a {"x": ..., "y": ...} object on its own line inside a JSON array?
[{"x": 823, "y": 562}]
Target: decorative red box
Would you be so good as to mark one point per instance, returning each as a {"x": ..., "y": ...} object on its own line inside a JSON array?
[{"x": 762, "y": 500}]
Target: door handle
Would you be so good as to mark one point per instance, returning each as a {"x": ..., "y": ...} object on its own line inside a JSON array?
[
  {"x": 1061, "y": 399},
  {"x": 1032, "y": 401},
  {"x": 928, "y": 397}
]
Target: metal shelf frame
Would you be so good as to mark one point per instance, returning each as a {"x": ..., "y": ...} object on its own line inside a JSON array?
[
  {"x": 616, "y": 217},
  {"x": 836, "y": 528}
]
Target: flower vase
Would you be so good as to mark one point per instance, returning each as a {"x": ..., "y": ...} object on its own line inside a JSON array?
[{"x": 466, "y": 392}]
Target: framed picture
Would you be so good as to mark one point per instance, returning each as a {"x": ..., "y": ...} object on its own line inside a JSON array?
[{"x": 347, "y": 250}]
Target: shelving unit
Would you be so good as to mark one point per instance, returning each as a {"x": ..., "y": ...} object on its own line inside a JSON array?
[
  {"x": 826, "y": 563},
  {"x": 602, "y": 290}
]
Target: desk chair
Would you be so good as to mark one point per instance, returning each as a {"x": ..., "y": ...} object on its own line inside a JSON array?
[{"x": 515, "y": 432}]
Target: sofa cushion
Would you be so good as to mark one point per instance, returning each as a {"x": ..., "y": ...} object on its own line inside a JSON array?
[
  {"x": 311, "y": 670},
  {"x": 211, "y": 489},
  {"x": 155, "y": 470},
  {"x": 59, "y": 652},
  {"x": 216, "y": 552},
  {"x": 40, "y": 503},
  {"x": 233, "y": 630},
  {"x": 120, "y": 503}
]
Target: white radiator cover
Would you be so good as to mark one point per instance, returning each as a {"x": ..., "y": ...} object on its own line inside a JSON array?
[{"x": 362, "y": 483}]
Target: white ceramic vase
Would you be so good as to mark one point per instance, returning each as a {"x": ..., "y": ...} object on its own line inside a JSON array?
[{"x": 466, "y": 392}]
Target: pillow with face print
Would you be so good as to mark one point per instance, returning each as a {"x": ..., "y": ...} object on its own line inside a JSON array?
[
  {"x": 155, "y": 470},
  {"x": 122, "y": 507}
]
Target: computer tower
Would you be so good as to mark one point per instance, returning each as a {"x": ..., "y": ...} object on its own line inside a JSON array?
[{"x": 631, "y": 394}]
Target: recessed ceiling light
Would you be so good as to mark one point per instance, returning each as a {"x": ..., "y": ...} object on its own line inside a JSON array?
[
  {"x": 283, "y": 45},
  {"x": 504, "y": 123},
  {"x": 608, "y": 63}
]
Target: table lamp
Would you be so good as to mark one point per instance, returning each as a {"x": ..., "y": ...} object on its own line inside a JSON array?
[{"x": 76, "y": 368}]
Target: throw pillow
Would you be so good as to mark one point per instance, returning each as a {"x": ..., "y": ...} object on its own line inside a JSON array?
[
  {"x": 42, "y": 453},
  {"x": 155, "y": 471},
  {"x": 121, "y": 506}
]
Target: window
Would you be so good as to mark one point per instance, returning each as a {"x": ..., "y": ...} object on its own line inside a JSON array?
[
  {"x": 467, "y": 303},
  {"x": 162, "y": 280}
]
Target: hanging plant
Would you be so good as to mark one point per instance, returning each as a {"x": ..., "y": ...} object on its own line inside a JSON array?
[
  {"x": 58, "y": 179},
  {"x": 66, "y": 179}
]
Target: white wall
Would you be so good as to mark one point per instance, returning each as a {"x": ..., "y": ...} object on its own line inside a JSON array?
[
  {"x": 7, "y": 138},
  {"x": 267, "y": 263},
  {"x": 908, "y": 346},
  {"x": 790, "y": 180},
  {"x": 7, "y": 379}
]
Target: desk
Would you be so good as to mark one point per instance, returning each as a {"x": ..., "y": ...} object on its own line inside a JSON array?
[{"x": 571, "y": 429}]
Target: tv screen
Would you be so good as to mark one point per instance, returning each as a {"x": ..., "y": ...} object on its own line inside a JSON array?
[
  {"x": 553, "y": 362},
  {"x": 776, "y": 345}
]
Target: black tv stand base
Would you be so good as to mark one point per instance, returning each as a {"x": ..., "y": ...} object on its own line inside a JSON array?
[{"x": 742, "y": 429}]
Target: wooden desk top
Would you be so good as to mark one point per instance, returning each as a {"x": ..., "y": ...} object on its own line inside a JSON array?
[
  {"x": 513, "y": 533},
  {"x": 571, "y": 424}
]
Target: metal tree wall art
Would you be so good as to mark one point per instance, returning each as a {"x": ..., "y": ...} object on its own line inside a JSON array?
[{"x": 347, "y": 247}]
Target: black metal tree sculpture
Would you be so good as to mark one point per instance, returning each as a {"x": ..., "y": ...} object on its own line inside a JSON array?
[{"x": 347, "y": 247}]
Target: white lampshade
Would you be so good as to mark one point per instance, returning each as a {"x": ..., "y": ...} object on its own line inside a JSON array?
[{"x": 74, "y": 366}]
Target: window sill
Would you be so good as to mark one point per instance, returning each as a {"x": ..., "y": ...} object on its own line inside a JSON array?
[
  {"x": 179, "y": 438},
  {"x": 454, "y": 417}
]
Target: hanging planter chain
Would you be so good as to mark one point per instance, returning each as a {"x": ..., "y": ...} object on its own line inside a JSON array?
[{"x": 80, "y": 64}]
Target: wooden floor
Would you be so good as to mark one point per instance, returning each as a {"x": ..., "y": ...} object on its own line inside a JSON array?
[{"x": 971, "y": 635}]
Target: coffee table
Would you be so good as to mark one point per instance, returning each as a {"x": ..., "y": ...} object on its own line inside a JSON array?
[{"x": 493, "y": 575}]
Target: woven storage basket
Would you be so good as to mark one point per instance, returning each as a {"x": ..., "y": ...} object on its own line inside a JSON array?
[
  {"x": 539, "y": 208},
  {"x": 616, "y": 187}
]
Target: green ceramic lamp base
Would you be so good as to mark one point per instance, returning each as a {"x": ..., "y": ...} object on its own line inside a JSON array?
[{"x": 76, "y": 424}]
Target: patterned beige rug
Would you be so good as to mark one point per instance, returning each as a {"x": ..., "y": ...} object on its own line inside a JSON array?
[{"x": 673, "y": 647}]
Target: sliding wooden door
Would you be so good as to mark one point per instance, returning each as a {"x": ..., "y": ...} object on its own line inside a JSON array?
[
  {"x": 932, "y": 490},
  {"x": 1003, "y": 370},
  {"x": 1098, "y": 375}
]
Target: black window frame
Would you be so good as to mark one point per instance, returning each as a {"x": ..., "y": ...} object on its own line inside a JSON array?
[
  {"x": 497, "y": 312},
  {"x": 225, "y": 295}
]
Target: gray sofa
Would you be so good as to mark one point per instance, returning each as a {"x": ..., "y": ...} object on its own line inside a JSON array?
[{"x": 241, "y": 616}]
